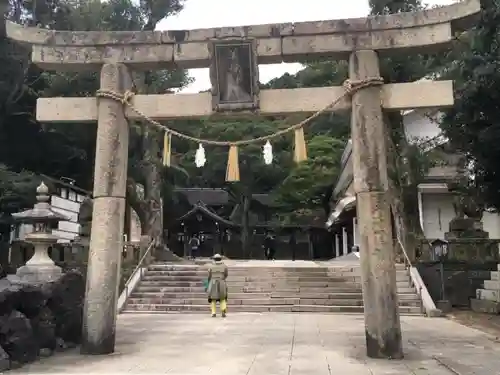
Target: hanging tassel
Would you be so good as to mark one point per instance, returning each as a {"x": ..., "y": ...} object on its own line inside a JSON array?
[
  {"x": 167, "y": 149},
  {"x": 199, "y": 158},
  {"x": 267, "y": 152},
  {"x": 300, "y": 150},
  {"x": 233, "y": 169}
]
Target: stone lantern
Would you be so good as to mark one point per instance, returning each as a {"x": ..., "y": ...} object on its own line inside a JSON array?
[{"x": 40, "y": 268}]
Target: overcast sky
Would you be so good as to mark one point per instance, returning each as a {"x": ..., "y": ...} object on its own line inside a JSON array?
[{"x": 215, "y": 13}]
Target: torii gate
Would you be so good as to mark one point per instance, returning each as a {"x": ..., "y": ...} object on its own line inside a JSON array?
[{"x": 360, "y": 40}]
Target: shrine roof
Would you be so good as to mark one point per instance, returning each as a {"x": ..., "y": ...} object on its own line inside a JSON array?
[
  {"x": 264, "y": 199},
  {"x": 218, "y": 197},
  {"x": 209, "y": 197},
  {"x": 199, "y": 207}
]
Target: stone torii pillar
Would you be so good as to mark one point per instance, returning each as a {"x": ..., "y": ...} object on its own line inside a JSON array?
[
  {"x": 106, "y": 240},
  {"x": 369, "y": 158}
]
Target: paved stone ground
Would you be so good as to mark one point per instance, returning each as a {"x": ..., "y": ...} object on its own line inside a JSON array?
[
  {"x": 484, "y": 322},
  {"x": 276, "y": 344}
]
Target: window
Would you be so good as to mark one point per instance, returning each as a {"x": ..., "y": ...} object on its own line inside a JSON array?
[
  {"x": 64, "y": 193},
  {"x": 72, "y": 196}
]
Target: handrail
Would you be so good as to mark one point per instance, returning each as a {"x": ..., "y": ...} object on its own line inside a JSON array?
[
  {"x": 407, "y": 258},
  {"x": 122, "y": 299},
  {"x": 427, "y": 302},
  {"x": 141, "y": 261}
]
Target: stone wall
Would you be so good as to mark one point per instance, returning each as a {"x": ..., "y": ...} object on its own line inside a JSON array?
[
  {"x": 38, "y": 320},
  {"x": 461, "y": 279}
]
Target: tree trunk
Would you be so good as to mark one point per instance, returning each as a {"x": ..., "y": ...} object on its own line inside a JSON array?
[
  {"x": 152, "y": 224},
  {"x": 403, "y": 186},
  {"x": 148, "y": 208}
]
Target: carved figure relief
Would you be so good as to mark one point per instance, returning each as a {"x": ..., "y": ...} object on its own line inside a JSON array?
[
  {"x": 234, "y": 76},
  {"x": 237, "y": 88}
]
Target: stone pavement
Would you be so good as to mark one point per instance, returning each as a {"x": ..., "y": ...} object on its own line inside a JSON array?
[{"x": 278, "y": 344}]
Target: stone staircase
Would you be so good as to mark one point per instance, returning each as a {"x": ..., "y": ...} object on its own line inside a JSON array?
[
  {"x": 487, "y": 299},
  {"x": 167, "y": 288}
]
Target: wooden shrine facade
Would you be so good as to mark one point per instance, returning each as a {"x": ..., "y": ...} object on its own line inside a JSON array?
[{"x": 219, "y": 233}]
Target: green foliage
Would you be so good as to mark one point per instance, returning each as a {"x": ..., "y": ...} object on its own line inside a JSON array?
[
  {"x": 307, "y": 183},
  {"x": 473, "y": 124},
  {"x": 17, "y": 190},
  {"x": 68, "y": 149}
]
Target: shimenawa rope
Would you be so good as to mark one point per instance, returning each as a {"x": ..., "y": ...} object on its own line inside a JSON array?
[{"x": 350, "y": 88}]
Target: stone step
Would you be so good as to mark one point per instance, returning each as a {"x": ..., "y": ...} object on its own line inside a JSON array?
[
  {"x": 494, "y": 275},
  {"x": 270, "y": 265},
  {"x": 270, "y": 287},
  {"x": 266, "y": 275},
  {"x": 261, "y": 301},
  {"x": 359, "y": 295},
  {"x": 253, "y": 269},
  {"x": 243, "y": 281},
  {"x": 274, "y": 283},
  {"x": 486, "y": 294},
  {"x": 148, "y": 287},
  {"x": 268, "y": 271},
  {"x": 169, "y": 289},
  {"x": 179, "y": 288},
  {"x": 161, "y": 276},
  {"x": 131, "y": 308},
  {"x": 491, "y": 284}
]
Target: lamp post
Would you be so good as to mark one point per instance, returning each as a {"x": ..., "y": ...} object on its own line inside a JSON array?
[
  {"x": 440, "y": 251},
  {"x": 40, "y": 267}
]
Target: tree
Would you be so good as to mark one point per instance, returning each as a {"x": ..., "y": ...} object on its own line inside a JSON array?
[
  {"x": 406, "y": 168},
  {"x": 472, "y": 125},
  {"x": 145, "y": 167},
  {"x": 17, "y": 190},
  {"x": 306, "y": 184},
  {"x": 24, "y": 144},
  {"x": 68, "y": 149},
  {"x": 309, "y": 185},
  {"x": 17, "y": 193}
]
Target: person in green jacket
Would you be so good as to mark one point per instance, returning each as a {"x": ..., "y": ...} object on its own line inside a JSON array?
[{"x": 217, "y": 286}]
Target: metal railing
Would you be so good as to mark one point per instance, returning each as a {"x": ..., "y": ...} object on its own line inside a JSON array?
[
  {"x": 409, "y": 265},
  {"x": 407, "y": 260},
  {"x": 128, "y": 288},
  {"x": 428, "y": 306}
]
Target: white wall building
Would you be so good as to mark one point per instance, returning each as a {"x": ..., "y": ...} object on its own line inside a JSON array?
[
  {"x": 435, "y": 202},
  {"x": 67, "y": 200}
]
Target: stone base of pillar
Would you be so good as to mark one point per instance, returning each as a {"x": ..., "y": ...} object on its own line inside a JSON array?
[{"x": 39, "y": 274}]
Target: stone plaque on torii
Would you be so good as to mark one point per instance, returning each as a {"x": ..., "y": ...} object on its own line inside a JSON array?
[{"x": 361, "y": 41}]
